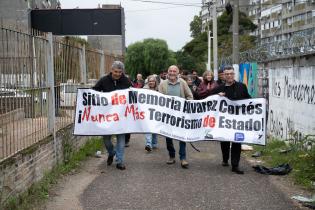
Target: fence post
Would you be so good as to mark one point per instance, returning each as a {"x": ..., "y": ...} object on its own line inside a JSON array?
[
  {"x": 102, "y": 64},
  {"x": 51, "y": 93},
  {"x": 83, "y": 65}
]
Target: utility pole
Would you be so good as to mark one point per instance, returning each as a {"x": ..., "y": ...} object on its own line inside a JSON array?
[
  {"x": 209, "y": 40},
  {"x": 236, "y": 50},
  {"x": 215, "y": 40},
  {"x": 209, "y": 51}
]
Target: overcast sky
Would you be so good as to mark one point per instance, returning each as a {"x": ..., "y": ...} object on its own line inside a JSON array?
[{"x": 150, "y": 20}]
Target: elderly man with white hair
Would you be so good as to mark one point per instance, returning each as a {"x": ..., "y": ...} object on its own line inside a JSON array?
[
  {"x": 115, "y": 80},
  {"x": 175, "y": 86}
]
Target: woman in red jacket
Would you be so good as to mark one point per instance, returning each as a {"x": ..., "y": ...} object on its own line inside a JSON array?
[{"x": 207, "y": 85}]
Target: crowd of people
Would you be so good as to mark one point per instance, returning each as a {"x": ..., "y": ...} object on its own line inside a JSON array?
[{"x": 174, "y": 82}]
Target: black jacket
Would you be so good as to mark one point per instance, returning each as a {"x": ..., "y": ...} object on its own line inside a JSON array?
[
  {"x": 108, "y": 84},
  {"x": 236, "y": 91}
]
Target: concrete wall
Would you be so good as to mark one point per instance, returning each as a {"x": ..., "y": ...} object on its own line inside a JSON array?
[
  {"x": 19, "y": 172},
  {"x": 292, "y": 97},
  {"x": 14, "y": 14}
]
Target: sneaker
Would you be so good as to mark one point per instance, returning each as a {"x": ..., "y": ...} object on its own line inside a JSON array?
[
  {"x": 148, "y": 148},
  {"x": 110, "y": 159},
  {"x": 120, "y": 166},
  {"x": 184, "y": 163},
  {"x": 127, "y": 144},
  {"x": 225, "y": 163},
  {"x": 237, "y": 170},
  {"x": 170, "y": 161}
]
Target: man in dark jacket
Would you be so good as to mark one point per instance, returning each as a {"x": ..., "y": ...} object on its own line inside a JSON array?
[
  {"x": 196, "y": 80},
  {"x": 116, "y": 80},
  {"x": 234, "y": 91}
]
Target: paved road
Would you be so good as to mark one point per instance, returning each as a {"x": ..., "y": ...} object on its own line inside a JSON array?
[{"x": 149, "y": 183}]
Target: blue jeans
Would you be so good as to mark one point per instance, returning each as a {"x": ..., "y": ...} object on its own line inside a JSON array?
[
  {"x": 171, "y": 149},
  {"x": 151, "y": 140},
  {"x": 120, "y": 147}
]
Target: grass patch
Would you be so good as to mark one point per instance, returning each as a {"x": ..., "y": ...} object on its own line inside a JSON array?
[
  {"x": 302, "y": 161},
  {"x": 39, "y": 192}
]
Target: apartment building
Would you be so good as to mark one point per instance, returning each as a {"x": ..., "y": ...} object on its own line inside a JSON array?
[
  {"x": 205, "y": 15},
  {"x": 281, "y": 19},
  {"x": 254, "y": 11}
]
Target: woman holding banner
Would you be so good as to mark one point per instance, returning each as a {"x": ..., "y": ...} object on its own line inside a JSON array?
[
  {"x": 207, "y": 85},
  {"x": 151, "y": 138}
]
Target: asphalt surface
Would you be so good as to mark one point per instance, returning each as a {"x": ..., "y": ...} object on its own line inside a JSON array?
[{"x": 149, "y": 183}]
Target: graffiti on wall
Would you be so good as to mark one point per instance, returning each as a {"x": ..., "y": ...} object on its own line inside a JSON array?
[
  {"x": 283, "y": 127},
  {"x": 248, "y": 76},
  {"x": 299, "y": 92},
  {"x": 291, "y": 103},
  {"x": 294, "y": 90}
]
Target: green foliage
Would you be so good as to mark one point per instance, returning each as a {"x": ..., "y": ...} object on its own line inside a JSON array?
[
  {"x": 148, "y": 57},
  {"x": 134, "y": 60},
  {"x": 171, "y": 59},
  {"x": 197, "y": 48},
  {"x": 301, "y": 160},
  {"x": 39, "y": 192},
  {"x": 195, "y": 26},
  {"x": 194, "y": 54},
  {"x": 186, "y": 61}
]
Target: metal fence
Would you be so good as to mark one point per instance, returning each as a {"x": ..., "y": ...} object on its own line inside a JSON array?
[{"x": 39, "y": 75}]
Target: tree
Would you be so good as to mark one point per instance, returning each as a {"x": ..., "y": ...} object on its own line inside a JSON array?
[
  {"x": 134, "y": 59},
  {"x": 185, "y": 60},
  {"x": 197, "y": 48},
  {"x": 151, "y": 56},
  {"x": 195, "y": 26}
]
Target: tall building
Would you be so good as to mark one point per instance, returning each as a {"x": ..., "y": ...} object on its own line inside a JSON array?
[
  {"x": 279, "y": 20},
  {"x": 254, "y": 14},
  {"x": 111, "y": 44},
  {"x": 205, "y": 15}
]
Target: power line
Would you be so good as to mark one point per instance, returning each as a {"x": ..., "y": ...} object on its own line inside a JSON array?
[
  {"x": 148, "y": 10},
  {"x": 170, "y": 3}
]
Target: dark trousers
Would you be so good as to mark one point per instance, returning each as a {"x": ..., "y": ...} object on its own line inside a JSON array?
[
  {"x": 235, "y": 152},
  {"x": 171, "y": 149},
  {"x": 127, "y": 138}
]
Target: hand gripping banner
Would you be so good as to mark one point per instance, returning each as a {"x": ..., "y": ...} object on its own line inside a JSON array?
[{"x": 145, "y": 111}]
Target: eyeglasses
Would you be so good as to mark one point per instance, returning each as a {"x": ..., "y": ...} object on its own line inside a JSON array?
[{"x": 229, "y": 74}]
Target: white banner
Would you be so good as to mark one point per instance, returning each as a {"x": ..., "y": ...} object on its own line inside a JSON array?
[{"x": 145, "y": 111}]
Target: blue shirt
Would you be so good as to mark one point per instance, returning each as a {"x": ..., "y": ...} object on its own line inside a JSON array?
[{"x": 173, "y": 89}]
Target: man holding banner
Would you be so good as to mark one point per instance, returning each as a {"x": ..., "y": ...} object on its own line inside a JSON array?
[
  {"x": 116, "y": 80},
  {"x": 234, "y": 91},
  {"x": 175, "y": 86}
]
